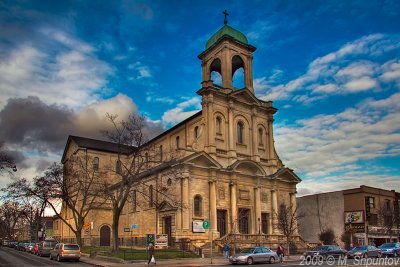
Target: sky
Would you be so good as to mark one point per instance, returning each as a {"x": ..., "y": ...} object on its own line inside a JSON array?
[{"x": 331, "y": 68}]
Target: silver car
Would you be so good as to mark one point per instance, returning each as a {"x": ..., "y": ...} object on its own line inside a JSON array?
[
  {"x": 364, "y": 252},
  {"x": 255, "y": 254}
]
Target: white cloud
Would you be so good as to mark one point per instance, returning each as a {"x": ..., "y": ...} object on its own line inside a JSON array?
[
  {"x": 141, "y": 71},
  {"x": 329, "y": 146},
  {"x": 70, "y": 76},
  {"x": 182, "y": 111},
  {"x": 361, "y": 65}
]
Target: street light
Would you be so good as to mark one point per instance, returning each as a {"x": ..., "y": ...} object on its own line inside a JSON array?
[{"x": 350, "y": 220}]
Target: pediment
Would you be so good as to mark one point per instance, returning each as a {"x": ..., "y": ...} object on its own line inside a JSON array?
[
  {"x": 166, "y": 206},
  {"x": 287, "y": 175},
  {"x": 246, "y": 96},
  {"x": 248, "y": 167},
  {"x": 202, "y": 159}
]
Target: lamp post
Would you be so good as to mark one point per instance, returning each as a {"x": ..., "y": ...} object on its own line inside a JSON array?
[{"x": 350, "y": 220}]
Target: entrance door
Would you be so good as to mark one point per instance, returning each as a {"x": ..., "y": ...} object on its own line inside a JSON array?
[
  {"x": 221, "y": 222},
  {"x": 168, "y": 229},
  {"x": 105, "y": 236},
  {"x": 244, "y": 221}
]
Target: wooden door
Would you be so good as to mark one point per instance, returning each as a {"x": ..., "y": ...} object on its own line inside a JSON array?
[
  {"x": 168, "y": 229},
  {"x": 221, "y": 222},
  {"x": 105, "y": 236}
]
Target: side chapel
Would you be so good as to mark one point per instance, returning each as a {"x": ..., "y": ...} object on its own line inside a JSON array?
[{"x": 233, "y": 177}]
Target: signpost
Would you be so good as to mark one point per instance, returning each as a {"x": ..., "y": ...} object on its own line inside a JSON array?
[
  {"x": 206, "y": 225},
  {"x": 161, "y": 241}
]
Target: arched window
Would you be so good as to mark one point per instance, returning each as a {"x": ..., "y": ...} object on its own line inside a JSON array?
[
  {"x": 260, "y": 136},
  {"x": 238, "y": 79},
  {"x": 151, "y": 196},
  {"x": 161, "y": 153},
  {"x": 95, "y": 163},
  {"x": 240, "y": 132},
  {"x": 218, "y": 126},
  {"x": 197, "y": 203},
  {"x": 215, "y": 72},
  {"x": 177, "y": 142},
  {"x": 118, "y": 167},
  {"x": 196, "y": 132}
]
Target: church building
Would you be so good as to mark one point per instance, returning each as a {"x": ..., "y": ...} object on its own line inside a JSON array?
[{"x": 232, "y": 180}]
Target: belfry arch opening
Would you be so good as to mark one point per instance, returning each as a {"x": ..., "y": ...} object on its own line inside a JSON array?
[
  {"x": 238, "y": 78},
  {"x": 215, "y": 72}
]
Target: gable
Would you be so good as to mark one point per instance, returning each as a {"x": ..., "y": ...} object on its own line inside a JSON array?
[
  {"x": 201, "y": 159},
  {"x": 287, "y": 175},
  {"x": 247, "y": 167},
  {"x": 246, "y": 96}
]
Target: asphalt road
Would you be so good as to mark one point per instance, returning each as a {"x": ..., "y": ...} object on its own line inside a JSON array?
[{"x": 10, "y": 257}]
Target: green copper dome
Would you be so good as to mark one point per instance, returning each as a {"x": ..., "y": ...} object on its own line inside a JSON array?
[{"x": 226, "y": 31}]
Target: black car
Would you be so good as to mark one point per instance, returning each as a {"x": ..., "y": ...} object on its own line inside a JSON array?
[{"x": 325, "y": 251}]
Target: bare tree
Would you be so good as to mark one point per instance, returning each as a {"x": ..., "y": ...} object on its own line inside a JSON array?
[
  {"x": 388, "y": 217},
  {"x": 137, "y": 160},
  {"x": 10, "y": 215},
  {"x": 287, "y": 218},
  {"x": 78, "y": 192}
]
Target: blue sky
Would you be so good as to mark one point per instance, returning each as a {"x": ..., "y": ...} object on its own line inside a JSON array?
[{"x": 332, "y": 69}]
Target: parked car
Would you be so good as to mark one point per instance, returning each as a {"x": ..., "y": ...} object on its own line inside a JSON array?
[
  {"x": 325, "y": 251},
  {"x": 253, "y": 255},
  {"x": 12, "y": 244},
  {"x": 390, "y": 249},
  {"x": 64, "y": 251},
  {"x": 364, "y": 252},
  {"x": 45, "y": 247},
  {"x": 29, "y": 247},
  {"x": 20, "y": 246}
]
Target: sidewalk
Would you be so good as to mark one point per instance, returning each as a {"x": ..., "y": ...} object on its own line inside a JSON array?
[
  {"x": 103, "y": 262},
  {"x": 195, "y": 262}
]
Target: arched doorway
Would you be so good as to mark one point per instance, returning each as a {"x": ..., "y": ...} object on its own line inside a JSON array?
[{"x": 105, "y": 236}]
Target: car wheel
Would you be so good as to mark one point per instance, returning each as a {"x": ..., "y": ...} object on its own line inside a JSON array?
[
  {"x": 250, "y": 261},
  {"x": 58, "y": 258},
  {"x": 271, "y": 260},
  {"x": 365, "y": 256}
]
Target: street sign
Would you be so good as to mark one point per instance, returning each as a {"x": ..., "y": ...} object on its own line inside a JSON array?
[
  {"x": 206, "y": 225},
  {"x": 134, "y": 226},
  {"x": 161, "y": 241},
  {"x": 127, "y": 229},
  {"x": 150, "y": 238}
]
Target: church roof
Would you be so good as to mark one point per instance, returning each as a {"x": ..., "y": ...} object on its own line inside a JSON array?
[
  {"x": 99, "y": 145},
  {"x": 226, "y": 31}
]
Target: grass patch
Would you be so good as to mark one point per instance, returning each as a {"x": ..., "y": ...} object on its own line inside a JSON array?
[{"x": 138, "y": 254}]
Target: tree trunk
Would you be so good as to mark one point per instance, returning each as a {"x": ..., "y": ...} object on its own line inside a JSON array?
[
  {"x": 114, "y": 226},
  {"x": 78, "y": 236},
  {"x": 288, "y": 245}
]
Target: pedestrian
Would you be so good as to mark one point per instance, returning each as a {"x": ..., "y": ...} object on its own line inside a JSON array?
[
  {"x": 150, "y": 251},
  {"x": 226, "y": 250},
  {"x": 281, "y": 252}
]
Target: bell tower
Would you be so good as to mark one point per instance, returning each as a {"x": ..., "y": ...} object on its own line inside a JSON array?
[{"x": 227, "y": 51}]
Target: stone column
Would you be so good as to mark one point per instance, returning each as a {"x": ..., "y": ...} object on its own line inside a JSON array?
[
  {"x": 274, "y": 211},
  {"x": 185, "y": 200},
  {"x": 249, "y": 74},
  {"x": 233, "y": 200},
  {"x": 293, "y": 206},
  {"x": 226, "y": 66},
  {"x": 270, "y": 143},
  {"x": 254, "y": 144},
  {"x": 211, "y": 124},
  {"x": 257, "y": 209},
  {"x": 231, "y": 134},
  {"x": 213, "y": 205}
]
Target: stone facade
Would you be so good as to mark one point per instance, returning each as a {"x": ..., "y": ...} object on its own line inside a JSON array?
[{"x": 232, "y": 175}]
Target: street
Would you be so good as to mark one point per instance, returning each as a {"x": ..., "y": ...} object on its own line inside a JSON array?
[{"x": 12, "y": 258}]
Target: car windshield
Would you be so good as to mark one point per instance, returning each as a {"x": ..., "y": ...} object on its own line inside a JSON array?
[
  {"x": 361, "y": 248},
  {"x": 247, "y": 250},
  {"x": 388, "y": 245},
  {"x": 71, "y": 247},
  {"x": 322, "y": 248},
  {"x": 49, "y": 244}
]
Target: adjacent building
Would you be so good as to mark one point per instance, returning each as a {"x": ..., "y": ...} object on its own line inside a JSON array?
[
  {"x": 369, "y": 215},
  {"x": 232, "y": 178}
]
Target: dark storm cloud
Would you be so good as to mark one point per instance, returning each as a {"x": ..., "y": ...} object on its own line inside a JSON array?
[{"x": 31, "y": 123}]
